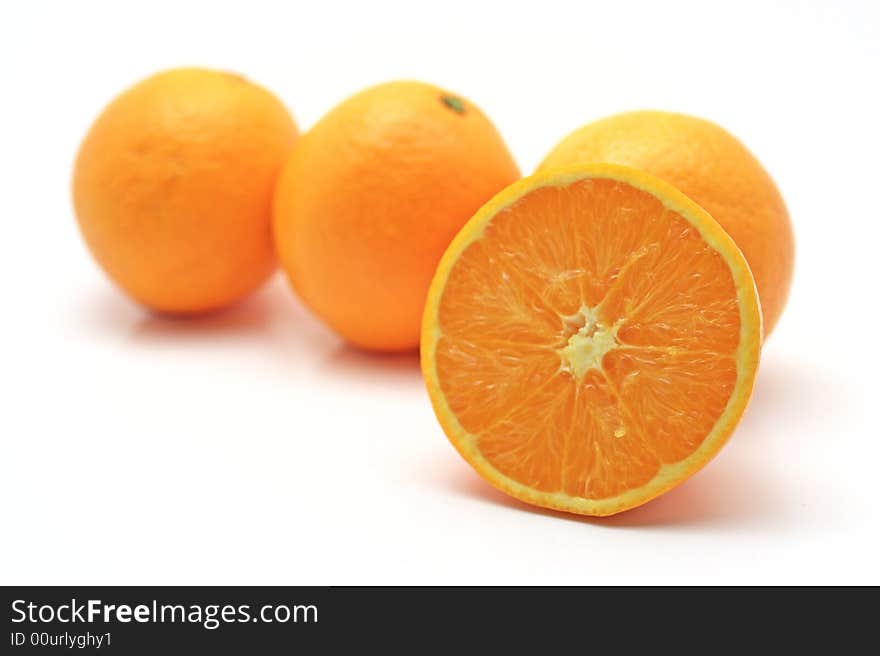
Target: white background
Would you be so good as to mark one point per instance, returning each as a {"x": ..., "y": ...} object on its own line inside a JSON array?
[{"x": 254, "y": 447}]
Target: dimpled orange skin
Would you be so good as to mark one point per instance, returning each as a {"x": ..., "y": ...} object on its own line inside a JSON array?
[
  {"x": 370, "y": 199},
  {"x": 713, "y": 168},
  {"x": 173, "y": 188}
]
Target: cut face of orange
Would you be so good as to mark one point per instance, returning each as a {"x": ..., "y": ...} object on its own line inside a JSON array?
[{"x": 590, "y": 339}]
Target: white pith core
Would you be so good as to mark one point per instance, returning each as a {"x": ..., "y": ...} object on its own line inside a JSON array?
[{"x": 588, "y": 346}]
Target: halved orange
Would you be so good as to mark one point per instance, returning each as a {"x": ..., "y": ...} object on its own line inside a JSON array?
[{"x": 590, "y": 339}]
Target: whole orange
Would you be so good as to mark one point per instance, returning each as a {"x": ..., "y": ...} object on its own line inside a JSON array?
[
  {"x": 714, "y": 169},
  {"x": 371, "y": 197},
  {"x": 173, "y": 188}
]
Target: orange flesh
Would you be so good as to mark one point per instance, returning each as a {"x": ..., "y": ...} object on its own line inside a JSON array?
[{"x": 588, "y": 338}]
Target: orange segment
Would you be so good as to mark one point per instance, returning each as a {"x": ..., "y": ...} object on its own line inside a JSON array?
[{"x": 590, "y": 339}]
